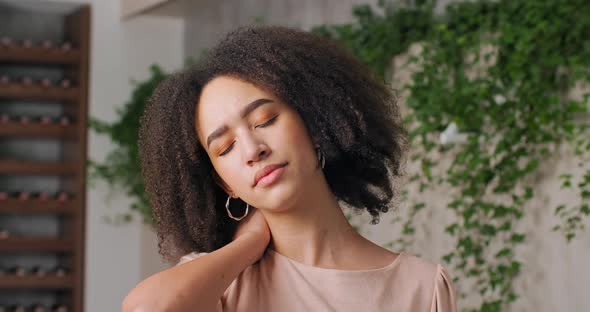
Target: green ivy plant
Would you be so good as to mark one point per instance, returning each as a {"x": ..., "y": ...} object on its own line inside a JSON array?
[
  {"x": 121, "y": 168},
  {"x": 517, "y": 113}
]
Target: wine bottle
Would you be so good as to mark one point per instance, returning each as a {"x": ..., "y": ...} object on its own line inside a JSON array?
[
  {"x": 43, "y": 196},
  {"x": 18, "y": 271},
  {"x": 64, "y": 120},
  {"x": 42, "y": 120},
  {"x": 59, "y": 308},
  {"x": 38, "y": 271},
  {"x": 46, "y": 120},
  {"x": 24, "y": 195},
  {"x": 46, "y": 82},
  {"x": 47, "y": 44},
  {"x": 65, "y": 83},
  {"x": 25, "y": 120},
  {"x": 66, "y": 46},
  {"x": 6, "y": 42},
  {"x": 37, "y": 308},
  {"x": 17, "y": 308},
  {"x": 60, "y": 271},
  {"x": 62, "y": 196},
  {"x": 27, "y": 81},
  {"x": 27, "y": 43}
]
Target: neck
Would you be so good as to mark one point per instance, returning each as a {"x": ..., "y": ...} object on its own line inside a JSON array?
[{"x": 314, "y": 230}]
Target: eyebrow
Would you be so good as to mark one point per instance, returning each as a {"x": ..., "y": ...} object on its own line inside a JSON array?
[{"x": 245, "y": 111}]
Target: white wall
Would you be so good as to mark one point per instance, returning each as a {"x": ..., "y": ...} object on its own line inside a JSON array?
[
  {"x": 120, "y": 50},
  {"x": 207, "y": 21}
]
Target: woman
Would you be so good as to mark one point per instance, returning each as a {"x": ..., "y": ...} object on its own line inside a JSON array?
[{"x": 247, "y": 157}]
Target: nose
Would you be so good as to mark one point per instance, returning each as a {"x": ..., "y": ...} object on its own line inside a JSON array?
[{"x": 254, "y": 149}]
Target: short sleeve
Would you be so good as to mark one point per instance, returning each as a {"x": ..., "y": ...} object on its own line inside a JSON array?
[
  {"x": 194, "y": 255},
  {"x": 444, "y": 299}
]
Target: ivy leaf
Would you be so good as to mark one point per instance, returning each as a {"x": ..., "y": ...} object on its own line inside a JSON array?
[
  {"x": 517, "y": 238},
  {"x": 488, "y": 229},
  {"x": 503, "y": 252}
]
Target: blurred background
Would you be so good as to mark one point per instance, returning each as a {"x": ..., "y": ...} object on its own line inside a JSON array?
[{"x": 495, "y": 95}]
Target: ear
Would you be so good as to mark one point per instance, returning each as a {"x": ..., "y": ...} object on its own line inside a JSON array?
[
  {"x": 219, "y": 181},
  {"x": 315, "y": 142}
]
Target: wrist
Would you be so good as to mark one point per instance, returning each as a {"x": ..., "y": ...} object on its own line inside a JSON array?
[{"x": 256, "y": 240}]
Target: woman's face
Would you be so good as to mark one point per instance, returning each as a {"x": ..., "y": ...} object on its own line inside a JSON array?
[{"x": 244, "y": 129}]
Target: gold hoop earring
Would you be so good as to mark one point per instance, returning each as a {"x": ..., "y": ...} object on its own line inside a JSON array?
[{"x": 229, "y": 212}]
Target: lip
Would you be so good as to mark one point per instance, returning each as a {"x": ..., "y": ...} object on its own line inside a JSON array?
[{"x": 266, "y": 171}]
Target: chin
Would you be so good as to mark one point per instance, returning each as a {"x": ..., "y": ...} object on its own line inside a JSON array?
[{"x": 279, "y": 198}]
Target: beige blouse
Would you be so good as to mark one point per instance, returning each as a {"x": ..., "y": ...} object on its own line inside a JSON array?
[{"x": 278, "y": 283}]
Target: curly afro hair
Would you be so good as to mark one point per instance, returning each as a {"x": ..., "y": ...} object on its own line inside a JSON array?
[{"x": 353, "y": 115}]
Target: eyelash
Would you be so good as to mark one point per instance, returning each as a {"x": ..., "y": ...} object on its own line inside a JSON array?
[{"x": 268, "y": 123}]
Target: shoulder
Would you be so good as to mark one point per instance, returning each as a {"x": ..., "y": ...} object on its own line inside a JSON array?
[
  {"x": 430, "y": 279},
  {"x": 423, "y": 271},
  {"x": 418, "y": 262}
]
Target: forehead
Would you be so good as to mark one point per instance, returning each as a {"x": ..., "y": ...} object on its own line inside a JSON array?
[{"x": 223, "y": 98}]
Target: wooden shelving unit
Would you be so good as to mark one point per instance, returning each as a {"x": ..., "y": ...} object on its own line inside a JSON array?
[
  {"x": 42, "y": 168},
  {"x": 39, "y": 55},
  {"x": 36, "y": 206},
  {"x": 69, "y": 169},
  {"x": 36, "y": 92},
  {"x": 33, "y": 282},
  {"x": 36, "y": 244},
  {"x": 16, "y": 129}
]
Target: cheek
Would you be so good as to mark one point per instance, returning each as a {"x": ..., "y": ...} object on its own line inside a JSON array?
[
  {"x": 228, "y": 174},
  {"x": 298, "y": 138}
]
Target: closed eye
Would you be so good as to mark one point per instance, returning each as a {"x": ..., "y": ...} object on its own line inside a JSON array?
[
  {"x": 227, "y": 149},
  {"x": 268, "y": 123}
]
